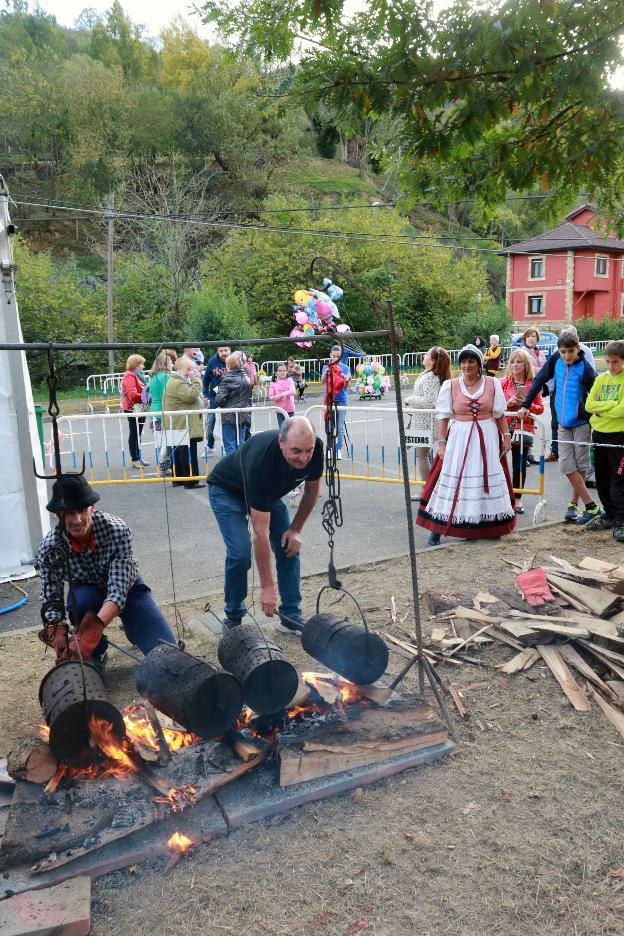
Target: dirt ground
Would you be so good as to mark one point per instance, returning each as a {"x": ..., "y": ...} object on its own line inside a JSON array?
[{"x": 515, "y": 833}]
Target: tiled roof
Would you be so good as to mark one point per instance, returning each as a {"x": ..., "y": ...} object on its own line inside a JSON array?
[{"x": 566, "y": 236}]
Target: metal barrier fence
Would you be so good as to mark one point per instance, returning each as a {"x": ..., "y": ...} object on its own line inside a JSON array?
[{"x": 371, "y": 450}]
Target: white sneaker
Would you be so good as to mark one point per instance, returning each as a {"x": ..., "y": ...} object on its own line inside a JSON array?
[
  {"x": 210, "y": 453},
  {"x": 144, "y": 464},
  {"x": 136, "y": 464},
  {"x": 338, "y": 456}
]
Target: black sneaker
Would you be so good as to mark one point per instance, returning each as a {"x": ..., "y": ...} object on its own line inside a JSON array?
[
  {"x": 601, "y": 522},
  {"x": 618, "y": 533},
  {"x": 285, "y": 628}
]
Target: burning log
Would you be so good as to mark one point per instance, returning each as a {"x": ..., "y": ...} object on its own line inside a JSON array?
[
  {"x": 32, "y": 759},
  {"x": 178, "y": 844},
  {"x": 192, "y": 691},
  {"x": 370, "y": 734},
  {"x": 269, "y": 681},
  {"x": 72, "y": 694}
]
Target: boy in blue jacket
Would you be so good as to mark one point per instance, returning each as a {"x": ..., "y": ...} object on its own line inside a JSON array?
[{"x": 574, "y": 378}]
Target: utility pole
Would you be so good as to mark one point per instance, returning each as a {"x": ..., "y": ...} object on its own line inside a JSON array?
[
  {"x": 23, "y": 517},
  {"x": 109, "y": 280}
]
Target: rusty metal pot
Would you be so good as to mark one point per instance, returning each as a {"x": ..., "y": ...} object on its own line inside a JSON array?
[
  {"x": 269, "y": 681},
  {"x": 69, "y": 695},
  {"x": 191, "y": 690}
]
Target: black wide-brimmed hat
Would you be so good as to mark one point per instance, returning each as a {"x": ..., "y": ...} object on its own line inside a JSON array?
[{"x": 77, "y": 494}]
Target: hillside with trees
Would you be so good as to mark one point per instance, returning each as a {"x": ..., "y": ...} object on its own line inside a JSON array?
[{"x": 225, "y": 180}]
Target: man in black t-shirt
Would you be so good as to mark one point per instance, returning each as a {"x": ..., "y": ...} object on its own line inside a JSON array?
[{"x": 250, "y": 483}]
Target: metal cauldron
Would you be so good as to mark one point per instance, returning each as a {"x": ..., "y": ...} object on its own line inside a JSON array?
[
  {"x": 269, "y": 681},
  {"x": 189, "y": 689},
  {"x": 344, "y": 647},
  {"x": 69, "y": 695}
]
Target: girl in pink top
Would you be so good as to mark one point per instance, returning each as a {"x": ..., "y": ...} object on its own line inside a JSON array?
[{"x": 282, "y": 392}]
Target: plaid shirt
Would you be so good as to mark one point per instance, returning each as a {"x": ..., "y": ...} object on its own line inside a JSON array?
[{"x": 109, "y": 565}]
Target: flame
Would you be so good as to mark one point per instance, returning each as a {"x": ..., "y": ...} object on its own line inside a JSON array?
[
  {"x": 327, "y": 684},
  {"x": 179, "y": 797},
  {"x": 140, "y": 728},
  {"x": 350, "y": 693},
  {"x": 102, "y": 737},
  {"x": 180, "y": 842},
  {"x": 44, "y": 732},
  {"x": 244, "y": 719}
]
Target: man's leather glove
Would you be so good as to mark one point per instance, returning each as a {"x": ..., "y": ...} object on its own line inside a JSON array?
[
  {"x": 88, "y": 635},
  {"x": 55, "y": 636},
  {"x": 534, "y": 587}
]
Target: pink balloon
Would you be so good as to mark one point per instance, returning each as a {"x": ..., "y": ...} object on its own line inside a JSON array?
[
  {"x": 301, "y": 317},
  {"x": 341, "y": 329},
  {"x": 324, "y": 311},
  {"x": 303, "y": 344}
]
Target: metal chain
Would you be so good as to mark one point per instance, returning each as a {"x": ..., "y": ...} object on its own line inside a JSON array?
[{"x": 332, "y": 508}]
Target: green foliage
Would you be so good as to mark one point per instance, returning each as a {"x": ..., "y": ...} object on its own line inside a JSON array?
[
  {"x": 217, "y": 314},
  {"x": 487, "y": 97},
  {"x": 432, "y": 289},
  {"x": 591, "y": 330}
]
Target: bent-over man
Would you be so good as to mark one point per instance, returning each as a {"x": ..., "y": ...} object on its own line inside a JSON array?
[
  {"x": 105, "y": 578},
  {"x": 246, "y": 488}
]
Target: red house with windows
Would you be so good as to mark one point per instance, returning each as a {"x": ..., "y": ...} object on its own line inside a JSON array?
[{"x": 566, "y": 273}]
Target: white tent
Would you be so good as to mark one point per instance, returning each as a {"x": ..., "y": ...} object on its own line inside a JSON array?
[{"x": 23, "y": 517}]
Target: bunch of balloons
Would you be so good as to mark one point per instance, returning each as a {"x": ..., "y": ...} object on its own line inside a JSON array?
[
  {"x": 315, "y": 312},
  {"x": 372, "y": 380}
]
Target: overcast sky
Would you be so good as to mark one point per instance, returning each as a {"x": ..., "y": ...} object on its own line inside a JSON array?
[{"x": 152, "y": 15}]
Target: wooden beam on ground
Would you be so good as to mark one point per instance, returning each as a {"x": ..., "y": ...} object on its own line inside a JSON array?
[
  {"x": 615, "y": 717},
  {"x": 579, "y": 575},
  {"x": 564, "y": 677},
  {"x": 596, "y": 565},
  {"x": 521, "y": 661},
  {"x": 598, "y": 653},
  {"x": 596, "y": 600},
  {"x": 571, "y": 655},
  {"x": 563, "y": 630}
]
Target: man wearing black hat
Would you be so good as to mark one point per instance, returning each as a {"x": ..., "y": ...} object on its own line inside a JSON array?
[{"x": 105, "y": 578}]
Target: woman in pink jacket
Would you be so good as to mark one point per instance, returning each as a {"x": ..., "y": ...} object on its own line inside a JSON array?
[
  {"x": 282, "y": 392},
  {"x": 133, "y": 383}
]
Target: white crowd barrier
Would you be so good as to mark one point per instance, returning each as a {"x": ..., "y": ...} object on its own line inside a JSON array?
[{"x": 371, "y": 447}]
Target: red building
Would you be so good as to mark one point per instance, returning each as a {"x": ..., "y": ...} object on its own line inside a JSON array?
[{"x": 566, "y": 273}]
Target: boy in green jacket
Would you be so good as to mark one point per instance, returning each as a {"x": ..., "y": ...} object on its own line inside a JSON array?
[{"x": 606, "y": 404}]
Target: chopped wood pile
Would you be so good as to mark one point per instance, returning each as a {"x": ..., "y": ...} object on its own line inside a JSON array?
[{"x": 579, "y": 635}]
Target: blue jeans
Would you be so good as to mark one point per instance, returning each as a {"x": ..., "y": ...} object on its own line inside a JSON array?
[
  {"x": 230, "y": 440},
  {"x": 231, "y": 516},
  {"x": 210, "y": 423},
  {"x": 342, "y": 415},
  {"x": 143, "y": 622}
]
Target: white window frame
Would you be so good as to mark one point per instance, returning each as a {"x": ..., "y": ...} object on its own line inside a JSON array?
[
  {"x": 527, "y": 310},
  {"x": 606, "y": 259},
  {"x": 532, "y": 259},
  {"x": 622, "y": 306}
]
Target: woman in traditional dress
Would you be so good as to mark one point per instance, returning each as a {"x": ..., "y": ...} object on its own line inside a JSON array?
[{"x": 468, "y": 493}]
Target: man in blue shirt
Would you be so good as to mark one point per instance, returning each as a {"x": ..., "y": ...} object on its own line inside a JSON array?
[
  {"x": 340, "y": 397},
  {"x": 215, "y": 369}
]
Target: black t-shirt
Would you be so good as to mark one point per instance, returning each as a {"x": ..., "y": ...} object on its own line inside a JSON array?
[{"x": 268, "y": 476}]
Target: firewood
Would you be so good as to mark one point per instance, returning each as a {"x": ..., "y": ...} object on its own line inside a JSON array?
[
  {"x": 437, "y": 603},
  {"x": 372, "y": 734},
  {"x": 580, "y": 575},
  {"x": 617, "y": 686},
  {"x": 615, "y": 717},
  {"x": 596, "y": 565},
  {"x": 524, "y": 632},
  {"x": 599, "y": 654},
  {"x": 412, "y": 650},
  {"x": 469, "y": 639},
  {"x": 301, "y": 696},
  {"x": 32, "y": 760},
  {"x": 567, "y": 599},
  {"x": 563, "y": 630},
  {"x": 521, "y": 661},
  {"x": 595, "y": 600},
  {"x": 564, "y": 677},
  {"x": 574, "y": 658},
  {"x": 245, "y": 749},
  {"x": 617, "y": 619}
]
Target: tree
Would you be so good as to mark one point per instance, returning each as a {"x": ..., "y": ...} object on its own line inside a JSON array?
[
  {"x": 153, "y": 195},
  {"x": 489, "y": 96},
  {"x": 219, "y": 314}
]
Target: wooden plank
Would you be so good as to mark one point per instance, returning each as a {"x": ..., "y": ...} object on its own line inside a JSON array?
[
  {"x": 412, "y": 650},
  {"x": 574, "y": 658},
  {"x": 610, "y": 654},
  {"x": 597, "y": 652},
  {"x": 594, "y": 599},
  {"x": 471, "y": 614},
  {"x": 579, "y": 575},
  {"x": 521, "y": 631},
  {"x": 617, "y": 685},
  {"x": 564, "y": 677},
  {"x": 615, "y": 717},
  {"x": 596, "y": 565},
  {"x": 521, "y": 660},
  {"x": 617, "y": 619},
  {"x": 564, "y": 630}
]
